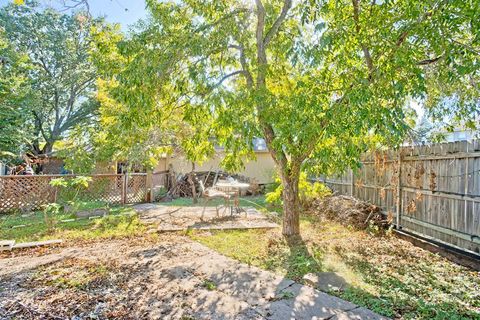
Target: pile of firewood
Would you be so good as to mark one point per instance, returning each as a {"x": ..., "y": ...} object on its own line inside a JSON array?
[{"x": 188, "y": 185}]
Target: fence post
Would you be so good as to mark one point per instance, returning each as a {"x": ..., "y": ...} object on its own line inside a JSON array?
[
  {"x": 399, "y": 189},
  {"x": 352, "y": 186},
  {"x": 149, "y": 187},
  {"x": 465, "y": 191},
  {"x": 124, "y": 188}
]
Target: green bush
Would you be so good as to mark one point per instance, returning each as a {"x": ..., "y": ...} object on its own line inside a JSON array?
[
  {"x": 68, "y": 190},
  {"x": 49, "y": 212},
  {"x": 307, "y": 191}
]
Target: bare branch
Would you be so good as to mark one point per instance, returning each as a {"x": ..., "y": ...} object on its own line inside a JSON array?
[
  {"x": 261, "y": 54},
  {"x": 75, "y": 4},
  {"x": 225, "y": 77}
]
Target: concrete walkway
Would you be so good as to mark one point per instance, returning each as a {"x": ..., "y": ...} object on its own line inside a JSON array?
[{"x": 174, "y": 279}]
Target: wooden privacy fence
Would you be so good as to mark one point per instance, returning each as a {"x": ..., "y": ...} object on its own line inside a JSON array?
[
  {"x": 431, "y": 190},
  {"x": 28, "y": 193}
]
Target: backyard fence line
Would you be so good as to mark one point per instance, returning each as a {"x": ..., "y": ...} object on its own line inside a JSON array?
[
  {"x": 32, "y": 192},
  {"x": 431, "y": 190}
]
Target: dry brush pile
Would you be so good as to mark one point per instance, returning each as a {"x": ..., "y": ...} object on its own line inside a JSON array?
[
  {"x": 349, "y": 211},
  {"x": 188, "y": 185}
]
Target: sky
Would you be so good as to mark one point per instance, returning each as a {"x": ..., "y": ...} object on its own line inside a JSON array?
[{"x": 125, "y": 12}]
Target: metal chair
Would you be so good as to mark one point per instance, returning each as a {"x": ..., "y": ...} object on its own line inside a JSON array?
[{"x": 212, "y": 193}]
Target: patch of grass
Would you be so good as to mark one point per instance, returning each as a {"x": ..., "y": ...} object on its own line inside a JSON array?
[
  {"x": 385, "y": 274},
  {"x": 73, "y": 274},
  {"x": 209, "y": 285},
  {"x": 284, "y": 295},
  {"x": 109, "y": 226}
]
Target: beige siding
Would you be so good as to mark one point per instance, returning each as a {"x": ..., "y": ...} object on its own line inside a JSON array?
[
  {"x": 105, "y": 167},
  {"x": 262, "y": 169}
]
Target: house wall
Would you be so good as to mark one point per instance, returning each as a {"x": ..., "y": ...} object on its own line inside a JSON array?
[
  {"x": 52, "y": 166},
  {"x": 262, "y": 169},
  {"x": 105, "y": 168},
  {"x": 55, "y": 166}
]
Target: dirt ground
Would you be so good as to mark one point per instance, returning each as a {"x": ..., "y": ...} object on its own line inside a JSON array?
[{"x": 165, "y": 277}]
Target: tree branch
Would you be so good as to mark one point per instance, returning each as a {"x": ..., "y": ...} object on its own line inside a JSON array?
[
  {"x": 366, "y": 52},
  {"x": 287, "y": 4},
  {"x": 429, "y": 61},
  {"x": 225, "y": 77},
  {"x": 278, "y": 156},
  {"x": 243, "y": 63},
  {"x": 404, "y": 34},
  {"x": 261, "y": 55},
  {"x": 40, "y": 125}
]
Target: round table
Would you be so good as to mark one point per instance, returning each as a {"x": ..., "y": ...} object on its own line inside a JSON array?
[{"x": 233, "y": 188}]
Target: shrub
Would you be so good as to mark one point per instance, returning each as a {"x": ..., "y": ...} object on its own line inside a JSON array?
[
  {"x": 307, "y": 191},
  {"x": 49, "y": 212},
  {"x": 70, "y": 189}
]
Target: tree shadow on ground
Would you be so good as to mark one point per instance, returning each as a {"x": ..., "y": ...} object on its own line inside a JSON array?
[{"x": 301, "y": 260}]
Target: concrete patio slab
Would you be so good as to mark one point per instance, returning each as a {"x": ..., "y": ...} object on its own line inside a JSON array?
[{"x": 170, "y": 218}]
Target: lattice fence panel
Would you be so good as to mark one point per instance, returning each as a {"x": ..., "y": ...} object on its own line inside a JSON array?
[
  {"x": 28, "y": 193},
  {"x": 136, "y": 188},
  {"x": 103, "y": 188},
  {"x": 25, "y": 192}
]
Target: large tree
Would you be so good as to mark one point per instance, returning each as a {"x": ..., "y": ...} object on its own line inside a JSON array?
[
  {"x": 14, "y": 94},
  {"x": 319, "y": 80},
  {"x": 61, "y": 76}
]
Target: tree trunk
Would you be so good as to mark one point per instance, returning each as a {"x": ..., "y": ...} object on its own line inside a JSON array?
[
  {"x": 47, "y": 148},
  {"x": 192, "y": 184},
  {"x": 291, "y": 212}
]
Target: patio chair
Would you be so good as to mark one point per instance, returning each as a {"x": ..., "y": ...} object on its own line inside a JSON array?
[{"x": 212, "y": 193}]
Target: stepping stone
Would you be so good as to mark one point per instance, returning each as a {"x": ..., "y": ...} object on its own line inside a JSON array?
[
  {"x": 6, "y": 245},
  {"x": 36, "y": 244},
  {"x": 303, "y": 302},
  {"x": 91, "y": 213}
]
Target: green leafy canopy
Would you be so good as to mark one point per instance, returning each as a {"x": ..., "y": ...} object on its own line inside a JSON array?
[
  {"x": 337, "y": 79},
  {"x": 321, "y": 81},
  {"x": 60, "y": 76}
]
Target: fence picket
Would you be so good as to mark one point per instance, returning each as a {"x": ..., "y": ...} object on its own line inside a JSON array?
[{"x": 437, "y": 191}]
